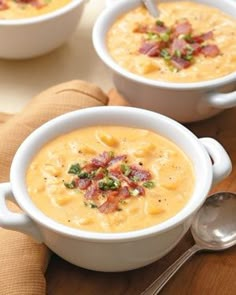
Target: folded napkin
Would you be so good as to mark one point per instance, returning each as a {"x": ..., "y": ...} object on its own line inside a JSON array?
[{"x": 23, "y": 261}]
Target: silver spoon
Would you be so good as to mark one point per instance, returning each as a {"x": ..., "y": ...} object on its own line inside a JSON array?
[
  {"x": 213, "y": 228},
  {"x": 151, "y": 7}
]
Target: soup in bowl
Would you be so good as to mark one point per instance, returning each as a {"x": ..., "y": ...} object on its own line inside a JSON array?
[
  {"x": 32, "y": 28},
  {"x": 104, "y": 181},
  {"x": 11, "y": 9},
  {"x": 180, "y": 64}
]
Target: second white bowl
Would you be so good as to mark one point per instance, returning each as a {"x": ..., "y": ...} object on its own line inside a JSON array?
[
  {"x": 31, "y": 37},
  {"x": 184, "y": 102}
]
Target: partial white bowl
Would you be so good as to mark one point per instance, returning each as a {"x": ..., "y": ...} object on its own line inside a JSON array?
[
  {"x": 111, "y": 251},
  {"x": 35, "y": 36},
  {"x": 184, "y": 102}
]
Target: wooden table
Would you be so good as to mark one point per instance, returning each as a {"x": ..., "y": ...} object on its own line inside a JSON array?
[{"x": 204, "y": 274}]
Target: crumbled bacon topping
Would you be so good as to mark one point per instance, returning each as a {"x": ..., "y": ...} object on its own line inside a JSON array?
[
  {"x": 182, "y": 28},
  {"x": 36, "y": 3},
  {"x": 176, "y": 44},
  {"x": 210, "y": 50},
  {"x": 107, "y": 180},
  {"x": 3, "y": 5}
]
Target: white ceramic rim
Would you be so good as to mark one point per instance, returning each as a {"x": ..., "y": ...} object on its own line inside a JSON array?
[
  {"x": 39, "y": 217},
  {"x": 100, "y": 47},
  {"x": 41, "y": 18}
]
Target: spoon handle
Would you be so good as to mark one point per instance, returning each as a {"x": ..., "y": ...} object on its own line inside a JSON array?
[
  {"x": 160, "y": 282},
  {"x": 151, "y": 7}
]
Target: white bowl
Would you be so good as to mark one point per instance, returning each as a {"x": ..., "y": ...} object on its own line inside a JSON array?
[
  {"x": 184, "y": 102},
  {"x": 31, "y": 37},
  {"x": 111, "y": 251}
]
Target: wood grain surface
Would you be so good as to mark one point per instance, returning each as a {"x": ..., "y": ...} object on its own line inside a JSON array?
[{"x": 206, "y": 273}]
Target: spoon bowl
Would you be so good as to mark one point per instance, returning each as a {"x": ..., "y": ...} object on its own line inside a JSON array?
[{"x": 213, "y": 228}]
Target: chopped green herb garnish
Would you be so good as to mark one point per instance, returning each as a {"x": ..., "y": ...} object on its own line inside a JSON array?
[
  {"x": 190, "y": 49},
  {"x": 135, "y": 178},
  {"x": 188, "y": 57},
  {"x": 165, "y": 37},
  {"x": 165, "y": 54},
  {"x": 125, "y": 169},
  {"x": 123, "y": 202},
  {"x": 84, "y": 175},
  {"x": 111, "y": 154},
  {"x": 70, "y": 185},
  {"x": 152, "y": 36},
  {"x": 92, "y": 205},
  {"x": 109, "y": 184},
  {"x": 159, "y": 23},
  {"x": 134, "y": 192},
  {"x": 177, "y": 52},
  {"x": 149, "y": 184},
  {"x": 75, "y": 169},
  {"x": 188, "y": 38}
]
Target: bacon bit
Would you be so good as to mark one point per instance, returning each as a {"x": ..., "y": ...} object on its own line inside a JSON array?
[
  {"x": 117, "y": 159},
  {"x": 116, "y": 173},
  {"x": 102, "y": 160},
  {"x": 92, "y": 192},
  {"x": 110, "y": 205},
  {"x": 182, "y": 28},
  {"x": 89, "y": 167},
  {"x": 124, "y": 193},
  {"x": 36, "y": 3},
  {"x": 180, "y": 63},
  {"x": 196, "y": 47},
  {"x": 3, "y": 5},
  {"x": 178, "y": 45},
  {"x": 140, "y": 174},
  {"x": 141, "y": 190},
  {"x": 158, "y": 29},
  {"x": 99, "y": 176},
  {"x": 210, "y": 50},
  {"x": 130, "y": 182},
  {"x": 140, "y": 29},
  {"x": 203, "y": 37},
  {"x": 84, "y": 183},
  {"x": 24, "y": 1},
  {"x": 150, "y": 49}
]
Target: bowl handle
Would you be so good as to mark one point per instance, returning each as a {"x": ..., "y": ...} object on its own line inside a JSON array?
[
  {"x": 222, "y": 165},
  {"x": 221, "y": 100},
  {"x": 15, "y": 221}
]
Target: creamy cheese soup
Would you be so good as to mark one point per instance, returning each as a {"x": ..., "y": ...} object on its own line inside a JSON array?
[
  {"x": 190, "y": 42},
  {"x": 110, "y": 179},
  {"x": 15, "y": 9}
]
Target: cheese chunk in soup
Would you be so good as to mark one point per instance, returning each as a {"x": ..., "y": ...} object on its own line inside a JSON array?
[
  {"x": 191, "y": 42},
  {"x": 110, "y": 179},
  {"x": 16, "y": 9}
]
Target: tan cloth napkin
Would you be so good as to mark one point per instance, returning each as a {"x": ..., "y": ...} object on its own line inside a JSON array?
[{"x": 23, "y": 261}]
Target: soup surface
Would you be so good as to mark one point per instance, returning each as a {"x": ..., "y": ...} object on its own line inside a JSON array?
[
  {"x": 15, "y": 9},
  {"x": 110, "y": 179},
  {"x": 190, "y": 42}
]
